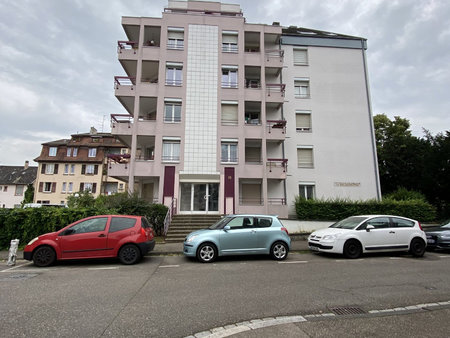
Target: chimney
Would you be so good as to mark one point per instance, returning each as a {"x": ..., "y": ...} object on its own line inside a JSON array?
[
  {"x": 93, "y": 131},
  {"x": 27, "y": 163}
]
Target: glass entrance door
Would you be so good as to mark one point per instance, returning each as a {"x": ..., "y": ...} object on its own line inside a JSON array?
[{"x": 199, "y": 197}]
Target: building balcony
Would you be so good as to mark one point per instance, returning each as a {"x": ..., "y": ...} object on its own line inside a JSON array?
[
  {"x": 275, "y": 92},
  {"x": 274, "y": 58},
  {"x": 276, "y": 168},
  {"x": 119, "y": 167},
  {"x": 121, "y": 124},
  {"x": 127, "y": 50},
  {"x": 124, "y": 85},
  {"x": 276, "y": 129}
]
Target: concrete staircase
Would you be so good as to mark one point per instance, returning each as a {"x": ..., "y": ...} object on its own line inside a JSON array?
[{"x": 182, "y": 225}]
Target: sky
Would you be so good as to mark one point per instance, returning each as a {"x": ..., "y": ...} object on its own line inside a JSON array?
[{"x": 58, "y": 59}]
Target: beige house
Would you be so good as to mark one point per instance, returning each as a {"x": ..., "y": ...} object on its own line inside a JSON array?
[{"x": 71, "y": 165}]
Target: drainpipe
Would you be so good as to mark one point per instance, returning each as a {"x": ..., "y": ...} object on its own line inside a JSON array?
[{"x": 282, "y": 117}]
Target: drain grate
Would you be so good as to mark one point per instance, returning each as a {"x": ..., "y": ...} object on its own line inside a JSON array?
[
  {"x": 17, "y": 277},
  {"x": 342, "y": 311}
]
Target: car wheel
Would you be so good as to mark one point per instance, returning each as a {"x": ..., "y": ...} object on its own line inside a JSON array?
[
  {"x": 206, "y": 253},
  {"x": 352, "y": 249},
  {"x": 279, "y": 251},
  {"x": 44, "y": 256},
  {"x": 129, "y": 254},
  {"x": 417, "y": 247}
]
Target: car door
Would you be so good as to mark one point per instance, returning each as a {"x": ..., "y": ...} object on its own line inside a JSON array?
[
  {"x": 403, "y": 229},
  {"x": 240, "y": 238},
  {"x": 265, "y": 233},
  {"x": 84, "y": 239},
  {"x": 381, "y": 237}
]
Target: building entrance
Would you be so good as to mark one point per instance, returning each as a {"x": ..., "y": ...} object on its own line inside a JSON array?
[{"x": 199, "y": 198}]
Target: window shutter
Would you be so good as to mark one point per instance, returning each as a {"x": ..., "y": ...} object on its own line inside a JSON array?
[
  {"x": 96, "y": 169},
  {"x": 53, "y": 186},
  {"x": 229, "y": 114},
  {"x": 175, "y": 35},
  {"x": 303, "y": 121},
  {"x": 56, "y": 169},
  {"x": 228, "y": 38},
  {"x": 305, "y": 157},
  {"x": 83, "y": 169},
  {"x": 300, "y": 57},
  {"x": 43, "y": 169},
  {"x": 81, "y": 186},
  {"x": 41, "y": 186},
  {"x": 94, "y": 188}
]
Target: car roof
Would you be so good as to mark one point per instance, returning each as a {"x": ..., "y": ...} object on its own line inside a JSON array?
[
  {"x": 372, "y": 216},
  {"x": 251, "y": 215}
]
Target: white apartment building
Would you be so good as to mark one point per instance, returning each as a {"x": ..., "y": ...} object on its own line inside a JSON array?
[{"x": 223, "y": 116}]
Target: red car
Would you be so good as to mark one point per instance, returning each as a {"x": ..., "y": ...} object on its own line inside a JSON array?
[{"x": 125, "y": 237}]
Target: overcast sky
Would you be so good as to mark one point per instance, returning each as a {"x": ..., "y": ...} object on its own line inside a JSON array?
[{"x": 58, "y": 60}]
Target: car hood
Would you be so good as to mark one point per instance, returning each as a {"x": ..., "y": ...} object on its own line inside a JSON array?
[
  {"x": 199, "y": 232},
  {"x": 438, "y": 230},
  {"x": 329, "y": 231},
  {"x": 48, "y": 235}
]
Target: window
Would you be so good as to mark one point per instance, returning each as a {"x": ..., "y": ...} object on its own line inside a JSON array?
[
  {"x": 64, "y": 186},
  {"x": 19, "y": 190},
  {"x": 305, "y": 157},
  {"x": 303, "y": 120},
  {"x": 377, "y": 223},
  {"x": 121, "y": 223},
  {"x": 49, "y": 187},
  {"x": 301, "y": 88},
  {"x": 92, "y": 152},
  {"x": 241, "y": 223},
  {"x": 70, "y": 189},
  {"x": 174, "y": 74},
  {"x": 75, "y": 152},
  {"x": 90, "y": 169},
  {"x": 87, "y": 186},
  {"x": 175, "y": 38},
  {"x": 264, "y": 222},
  {"x": 300, "y": 57},
  {"x": 72, "y": 169},
  {"x": 401, "y": 223},
  {"x": 229, "y": 152},
  {"x": 172, "y": 111},
  {"x": 171, "y": 151},
  {"x": 69, "y": 151},
  {"x": 230, "y": 41},
  {"x": 229, "y": 77},
  {"x": 229, "y": 113},
  {"x": 92, "y": 187},
  {"x": 307, "y": 190},
  {"x": 66, "y": 169},
  {"x": 90, "y": 225},
  {"x": 50, "y": 169},
  {"x": 52, "y": 151}
]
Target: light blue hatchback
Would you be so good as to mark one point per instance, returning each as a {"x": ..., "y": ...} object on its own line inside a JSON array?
[{"x": 239, "y": 235}]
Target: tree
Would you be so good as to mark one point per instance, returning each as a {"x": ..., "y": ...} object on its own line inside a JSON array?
[{"x": 29, "y": 194}]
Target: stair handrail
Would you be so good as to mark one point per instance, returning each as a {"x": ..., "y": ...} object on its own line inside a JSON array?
[{"x": 169, "y": 214}]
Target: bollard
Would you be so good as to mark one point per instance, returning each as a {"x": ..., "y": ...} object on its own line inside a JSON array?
[{"x": 13, "y": 252}]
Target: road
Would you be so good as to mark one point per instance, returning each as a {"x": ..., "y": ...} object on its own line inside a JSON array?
[{"x": 172, "y": 296}]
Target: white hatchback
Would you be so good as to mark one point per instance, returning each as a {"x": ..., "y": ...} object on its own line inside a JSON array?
[{"x": 356, "y": 235}]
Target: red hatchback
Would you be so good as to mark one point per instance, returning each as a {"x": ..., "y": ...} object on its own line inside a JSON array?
[{"x": 125, "y": 237}]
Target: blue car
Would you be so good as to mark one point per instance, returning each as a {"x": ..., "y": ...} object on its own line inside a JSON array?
[{"x": 239, "y": 235}]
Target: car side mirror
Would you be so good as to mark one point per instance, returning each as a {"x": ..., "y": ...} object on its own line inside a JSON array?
[
  {"x": 226, "y": 227},
  {"x": 369, "y": 227}
]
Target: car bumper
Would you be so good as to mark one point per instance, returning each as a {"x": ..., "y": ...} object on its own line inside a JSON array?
[
  {"x": 146, "y": 247},
  {"x": 189, "y": 250},
  {"x": 28, "y": 255}
]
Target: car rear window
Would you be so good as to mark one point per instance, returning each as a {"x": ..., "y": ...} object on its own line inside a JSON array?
[
  {"x": 401, "y": 223},
  {"x": 121, "y": 223},
  {"x": 264, "y": 222},
  {"x": 145, "y": 223}
]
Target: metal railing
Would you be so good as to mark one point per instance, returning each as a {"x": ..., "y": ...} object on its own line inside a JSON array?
[
  {"x": 275, "y": 88},
  {"x": 274, "y": 53},
  {"x": 169, "y": 214},
  {"x": 276, "y": 201},
  {"x": 119, "y": 158},
  {"x": 251, "y": 201},
  {"x": 277, "y": 163},
  {"x": 121, "y": 118},
  {"x": 121, "y": 45},
  {"x": 124, "y": 81},
  {"x": 276, "y": 124}
]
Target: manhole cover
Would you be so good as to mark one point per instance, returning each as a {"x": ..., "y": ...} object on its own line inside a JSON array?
[
  {"x": 342, "y": 311},
  {"x": 17, "y": 277}
]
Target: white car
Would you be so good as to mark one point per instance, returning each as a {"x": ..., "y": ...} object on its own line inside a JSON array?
[{"x": 356, "y": 235}]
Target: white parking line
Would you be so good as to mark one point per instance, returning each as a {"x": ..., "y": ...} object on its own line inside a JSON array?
[
  {"x": 107, "y": 268},
  {"x": 444, "y": 256},
  {"x": 395, "y": 258},
  {"x": 15, "y": 267},
  {"x": 293, "y": 262},
  {"x": 169, "y": 266}
]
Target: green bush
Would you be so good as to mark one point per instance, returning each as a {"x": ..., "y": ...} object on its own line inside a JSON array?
[
  {"x": 403, "y": 194},
  {"x": 330, "y": 210}
]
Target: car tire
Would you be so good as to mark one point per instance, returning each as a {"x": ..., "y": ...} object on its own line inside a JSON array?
[
  {"x": 417, "y": 247},
  {"x": 207, "y": 253},
  {"x": 44, "y": 256},
  {"x": 129, "y": 254},
  {"x": 352, "y": 249},
  {"x": 279, "y": 251}
]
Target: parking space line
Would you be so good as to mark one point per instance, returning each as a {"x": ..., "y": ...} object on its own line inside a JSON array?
[
  {"x": 395, "y": 258},
  {"x": 444, "y": 256},
  {"x": 106, "y": 268},
  {"x": 15, "y": 267},
  {"x": 169, "y": 266},
  {"x": 293, "y": 262}
]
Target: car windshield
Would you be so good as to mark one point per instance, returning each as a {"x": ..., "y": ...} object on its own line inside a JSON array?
[
  {"x": 446, "y": 224},
  {"x": 220, "y": 223},
  {"x": 349, "y": 223}
]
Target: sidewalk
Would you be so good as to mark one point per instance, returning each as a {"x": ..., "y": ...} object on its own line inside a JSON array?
[{"x": 298, "y": 243}]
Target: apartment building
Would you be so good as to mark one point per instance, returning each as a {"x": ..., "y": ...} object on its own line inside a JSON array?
[
  {"x": 77, "y": 164},
  {"x": 14, "y": 182},
  {"x": 224, "y": 116}
]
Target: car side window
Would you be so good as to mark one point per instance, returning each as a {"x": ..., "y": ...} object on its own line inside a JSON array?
[
  {"x": 264, "y": 222},
  {"x": 90, "y": 225},
  {"x": 379, "y": 222},
  {"x": 241, "y": 223},
  {"x": 401, "y": 223},
  {"x": 121, "y": 223}
]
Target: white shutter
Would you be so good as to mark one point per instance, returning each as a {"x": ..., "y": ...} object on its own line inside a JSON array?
[
  {"x": 303, "y": 121},
  {"x": 300, "y": 57},
  {"x": 227, "y": 38},
  {"x": 229, "y": 114},
  {"x": 305, "y": 157}
]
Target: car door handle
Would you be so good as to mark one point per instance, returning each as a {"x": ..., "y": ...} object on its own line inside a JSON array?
[
  {"x": 102, "y": 235},
  {"x": 392, "y": 232}
]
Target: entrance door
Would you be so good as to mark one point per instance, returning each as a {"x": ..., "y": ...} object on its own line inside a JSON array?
[{"x": 199, "y": 198}]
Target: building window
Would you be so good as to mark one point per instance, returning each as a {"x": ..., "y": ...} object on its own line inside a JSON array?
[
  {"x": 19, "y": 190},
  {"x": 301, "y": 88},
  {"x": 64, "y": 186},
  {"x": 306, "y": 190},
  {"x": 305, "y": 157},
  {"x": 229, "y": 76},
  {"x": 172, "y": 111},
  {"x": 70, "y": 188},
  {"x": 174, "y": 74},
  {"x": 69, "y": 151},
  {"x": 90, "y": 169},
  {"x": 51, "y": 169},
  {"x": 229, "y": 152},
  {"x": 75, "y": 152},
  {"x": 300, "y": 57},
  {"x": 230, "y": 41},
  {"x": 66, "y": 169},
  {"x": 303, "y": 120},
  {"x": 72, "y": 169},
  {"x": 52, "y": 151},
  {"x": 175, "y": 38},
  {"x": 171, "y": 151},
  {"x": 49, "y": 187},
  {"x": 92, "y": 152},
  {"x": 229, "y": 112}
]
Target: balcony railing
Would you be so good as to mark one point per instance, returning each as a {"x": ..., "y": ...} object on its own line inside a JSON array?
[
  {"x": 121, "y": 45},
  {"x": 277, "y": 163},
  {"x": 276, "y": 201},
  {"x": 276, "y": 124},
  {"x": 251, "y": 201},
  {"x": 275, "y": 88},
  {"x": 119, "y": 158},
  {"x": 252, "y": 83},
  {"x": 172, "y": 82},
  {"x": 121, "y": 118},
  {"x": 227, "y": 84},
  {"x": 124, "y": 81},
  {"x": 274, "y": 53}
]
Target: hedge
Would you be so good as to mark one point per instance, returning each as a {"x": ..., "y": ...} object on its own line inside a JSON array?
[
  {"x": 25, "y": 224},
  {"x": 331, "y": 210}
]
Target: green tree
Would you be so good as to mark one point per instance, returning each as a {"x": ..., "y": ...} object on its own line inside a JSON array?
[
  {"x": 81, "y": 199},
  {"x": 29, "y": 194}
]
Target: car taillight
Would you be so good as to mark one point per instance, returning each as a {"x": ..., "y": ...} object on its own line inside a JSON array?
[
  {"x": 420, "y": 226},
  {"x": 143, "y": 232},
  {"x": 285, "y": 230}
]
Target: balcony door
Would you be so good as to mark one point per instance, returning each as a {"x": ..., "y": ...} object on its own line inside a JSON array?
[{"x": 200, "y": 198}]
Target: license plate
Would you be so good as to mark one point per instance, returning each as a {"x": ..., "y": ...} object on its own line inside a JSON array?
[
  {"x": 431, "y": 241},
  {"x": 313, "y": 248}
]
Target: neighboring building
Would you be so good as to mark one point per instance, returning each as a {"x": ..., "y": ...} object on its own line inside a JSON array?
[
  {"x": 14, "y": 181},
  {"x": 77, "y": 164},
  {"x": 229, "y": 117}
]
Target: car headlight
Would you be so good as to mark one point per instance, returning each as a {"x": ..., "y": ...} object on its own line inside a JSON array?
[
  {"x": 445, "y": 236},
  {"x": 190, "y": 239},
  {"x": 33, "y": 240},
  {"x": 329, "y": 238}
]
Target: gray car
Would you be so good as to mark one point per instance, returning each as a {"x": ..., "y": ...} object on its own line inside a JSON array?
[
  {"x": 438, "y": 237},
  {"x": 239, "y": 235}
]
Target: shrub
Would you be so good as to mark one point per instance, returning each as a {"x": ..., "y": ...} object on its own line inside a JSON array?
[{"x": 403, "y": 194}]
